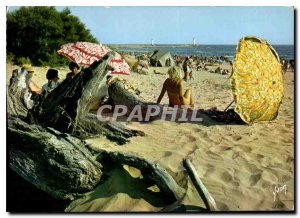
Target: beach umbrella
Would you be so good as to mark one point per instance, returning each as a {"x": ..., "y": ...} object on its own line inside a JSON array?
[
  {"x": 86, "y": 53},
  {"x": 256, "y": 80}
]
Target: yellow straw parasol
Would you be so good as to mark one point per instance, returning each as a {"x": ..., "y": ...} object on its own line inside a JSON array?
[{"x": 256, "y": 80}]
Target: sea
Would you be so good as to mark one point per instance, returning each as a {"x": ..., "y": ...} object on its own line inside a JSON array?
[{"x": 285, "y": 51}]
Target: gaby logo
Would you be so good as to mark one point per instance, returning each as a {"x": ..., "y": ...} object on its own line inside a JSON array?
[{"x": 146, "y": 113}]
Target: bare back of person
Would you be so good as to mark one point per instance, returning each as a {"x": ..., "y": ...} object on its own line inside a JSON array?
[
  {"x": 174, "y": 88},
  {"x": 175, "y": 93}
]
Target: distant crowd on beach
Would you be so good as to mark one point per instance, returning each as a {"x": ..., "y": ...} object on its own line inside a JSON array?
[
  {"x": 188, "y": 64},
  {"x": 181, "y": 69},
  {"x": 195, "y": 63}
]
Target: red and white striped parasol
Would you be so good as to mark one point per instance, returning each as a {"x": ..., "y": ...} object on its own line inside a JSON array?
[{"x": 86, "y": 53}]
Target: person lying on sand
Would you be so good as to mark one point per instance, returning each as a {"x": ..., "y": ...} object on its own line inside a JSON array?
[
  {"x": 157, "y": 72},
  {"x": 174, "y": 87}
]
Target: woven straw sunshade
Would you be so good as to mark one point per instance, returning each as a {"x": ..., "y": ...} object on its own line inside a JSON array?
[{"x": 256, "y": 80}]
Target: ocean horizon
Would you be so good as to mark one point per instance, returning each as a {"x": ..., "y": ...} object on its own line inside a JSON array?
[{"x": 228, "y": 50}]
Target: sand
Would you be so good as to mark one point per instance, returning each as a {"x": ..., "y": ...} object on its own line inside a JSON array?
[{"x": 239, "y": 164}]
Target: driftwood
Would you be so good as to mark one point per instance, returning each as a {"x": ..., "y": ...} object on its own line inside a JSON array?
[
  {"x": 122, "y": 94},
  {"x": 66, "y": 107},
  {"x": 203, "y": 192},
  {"x": 52, "y": 161},
  {"x": 150, "y": 170},
  {"x": 15, "y": 102},
  {"x": 46, "y": 153},
  {"x": 43, "y": 152},
  {"x": 63, "y": 108},
  {"x": 91, "y": 127}
]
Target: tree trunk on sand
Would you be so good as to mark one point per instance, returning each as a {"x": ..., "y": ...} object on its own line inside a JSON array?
[
  {"x": 209, "y": 201},
  {"x": 122, "y": 93},
  {"x": 66, "y": 107},
  {"x": 54, "y": 162},
  {"x": 47, "y": 156},
  {"x": 15, "y": 102},
  {"x": 150, "y": 170}
]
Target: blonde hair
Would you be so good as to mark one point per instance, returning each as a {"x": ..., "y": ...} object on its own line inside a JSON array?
[{"x": 175, "y": 74}]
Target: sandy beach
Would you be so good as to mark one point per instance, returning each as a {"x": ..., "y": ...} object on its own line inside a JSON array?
[{"x": 240, "y": 165}]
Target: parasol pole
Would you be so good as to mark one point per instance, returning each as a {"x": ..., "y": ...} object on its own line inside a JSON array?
[{"x": 228, "y": 106}]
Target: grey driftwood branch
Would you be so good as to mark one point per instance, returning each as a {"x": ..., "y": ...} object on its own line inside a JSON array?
[
  {"x": 67, "y": 106},
  {"x": 45, "y": 154},
  {"x": 203, "y": 192},
  {"x": 150, "y": 170},
  {"x": 56, "y": 163}
]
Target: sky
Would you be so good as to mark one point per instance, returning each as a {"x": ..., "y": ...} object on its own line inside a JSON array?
[
  {"x": 179, "y": 25},
  {"x": 172, "y": 25}
]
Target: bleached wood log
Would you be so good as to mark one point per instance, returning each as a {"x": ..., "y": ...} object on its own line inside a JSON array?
[
  {"x": 149, "y": 170},
  {"x": 67, "y": 106},
  {"x": 56, "y": 163},
  {"x": 200, "y": 187}
]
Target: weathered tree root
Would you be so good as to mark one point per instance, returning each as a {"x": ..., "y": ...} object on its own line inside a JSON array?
[
  {"x": 59, "y": 163},
  {"x": 67, "y": 107},
  {"x": 116, "y": 132},
  {"x": 15, "y": 102},
  {"x": 56, "y": 163},
  {"x": 150, "y": 170}
]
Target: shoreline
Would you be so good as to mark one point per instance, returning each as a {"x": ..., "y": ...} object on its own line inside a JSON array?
[
  {"x": 181, "y": 45},
  {"x": 286, "y": 52}
]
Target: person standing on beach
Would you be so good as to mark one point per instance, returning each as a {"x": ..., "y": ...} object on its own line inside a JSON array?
[
  {"x": 174, "y": 88},
  {"x": 285, "y": 66},
  {"x": 74, "y": 70},
  {"x": 185, "y": 67}
]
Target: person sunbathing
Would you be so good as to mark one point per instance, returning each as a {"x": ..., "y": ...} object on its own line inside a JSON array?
[{"x": 174, "y": 88}]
